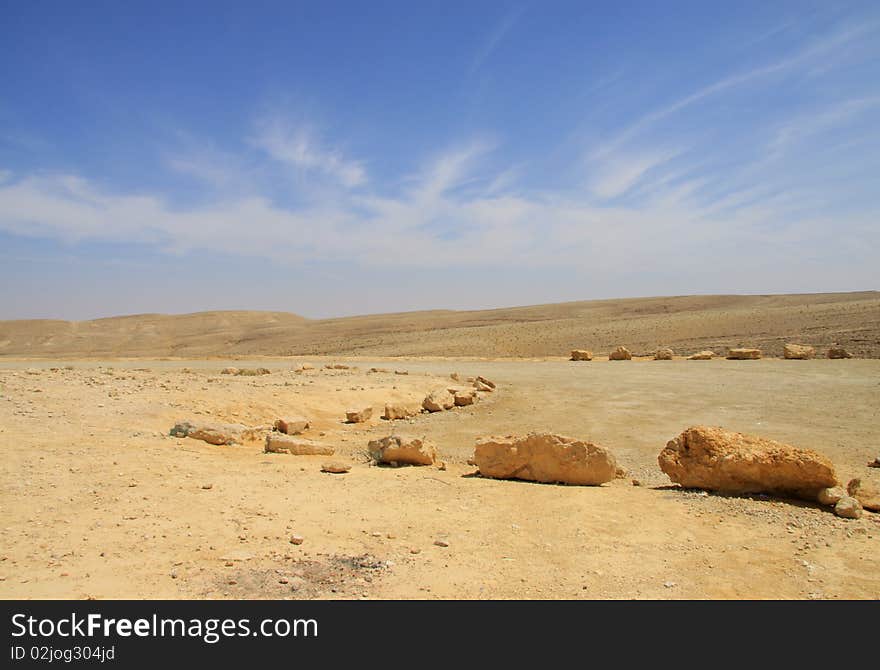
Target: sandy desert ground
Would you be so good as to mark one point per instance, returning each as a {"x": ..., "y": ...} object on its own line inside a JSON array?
[{"x": 98, "y": 501}]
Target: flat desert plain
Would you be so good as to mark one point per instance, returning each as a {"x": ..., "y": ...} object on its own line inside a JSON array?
[{"x": 99, "y": 500}]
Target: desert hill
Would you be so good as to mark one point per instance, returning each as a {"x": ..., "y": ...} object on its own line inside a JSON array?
[{"x": 685, "y": 323}]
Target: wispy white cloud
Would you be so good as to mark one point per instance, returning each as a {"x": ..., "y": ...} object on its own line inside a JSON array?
[
  {"x": 829, "y": 50},
  {"x": 495, "y": 38},
  {"x": 617, "y": 175},
  {"x": 213, "y": 167},
  {"x": 806, "y": 125},
  {"x": 300, "y": 147}
]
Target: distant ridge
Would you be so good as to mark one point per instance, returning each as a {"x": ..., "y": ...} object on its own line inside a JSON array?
[{"x": 684, "y": 323}]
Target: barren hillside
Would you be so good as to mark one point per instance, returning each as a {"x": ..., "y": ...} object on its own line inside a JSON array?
[{"x": 685, "y": 323}]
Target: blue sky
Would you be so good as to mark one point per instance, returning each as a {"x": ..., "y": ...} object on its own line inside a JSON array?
[{"x": 341, "y": 158}]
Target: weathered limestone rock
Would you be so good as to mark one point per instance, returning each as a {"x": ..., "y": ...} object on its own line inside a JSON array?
[
  {"x": 464, "y": 398},
  {"x": 664, "y": 354},
  {"x": 402, "y": 450},
  {"x": 620, "y": 354},
  {"x": 722, "y": 460},
  {"x": 358, "y": 415},
  {"x": 545, "y": 458},
  {"x": 229, "y": 371},
  {"x": 801, "y": 352},
  {"x": 292, "y": 425},
  {"x": 743, "y": 354},
  {"x": 279, "y": 443},
  {"x": 702, "y": 356},
  {"x": 481, "y": 386},
  {"x": 399, "y": 411},
  {"x": 866, "y": 493},
  {"x": 437, "y": 401},
  {"x": 485, "y": 381},
  {"x": 838, "y": 352},
  {"x": 213, "y": 433},
  {"x": 581, "y": 355},
  {"x": 848, "y": 508},
  {"x": 831, "y": 495}
]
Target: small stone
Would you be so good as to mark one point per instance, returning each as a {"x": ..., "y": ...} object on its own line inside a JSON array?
[
  {"x": 668, "y": 585},
  {"x": 335, "y": 467},
  {"x": 415, "y": 550},
  {"x": 831, "y": 495},
  {"x": 441, "y": 543},
  {"x": 636, "y": 482},
  {"x": 297, "y": 539},
  {"x": 207, "y": 487},
  {"x": 620, "y": 354},
  {"x": 358, "y": 415},
  {"x": 848, "y": 508}
]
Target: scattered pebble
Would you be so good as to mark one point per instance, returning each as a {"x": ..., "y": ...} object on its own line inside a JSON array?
[{"x": 335, "y": 467}]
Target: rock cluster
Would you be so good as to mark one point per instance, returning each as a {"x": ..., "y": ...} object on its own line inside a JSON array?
[{"x": 457, "y": 396}]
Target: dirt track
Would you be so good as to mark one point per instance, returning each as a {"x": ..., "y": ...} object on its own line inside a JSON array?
[{"x": 97, "y": 501}]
